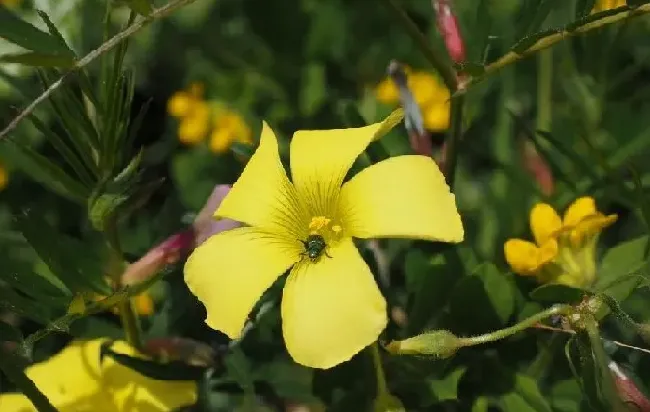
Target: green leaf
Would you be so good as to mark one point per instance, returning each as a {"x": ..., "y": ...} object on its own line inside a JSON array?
[
  {"x": 447, "y": 388},
  {"x": 142, "y": 7},
  {"x": 37, "y": 59},
  {"x": 239, "y": 368},
  {"x": 584, "y": 7},
  {"x": 527, "y": 388},
  {"x": 74, "y": 262},
  {"x": 313, "y": 91},
  {"x": 622, "y": 268},
  {"x": 483, "y": 301},
  {"x": 427, "y": 281},
  {"x": 23, "y": 277},
  {"x": 289, "y": 380},
  {"x": 42, "y": 170},
  {"x": 170, "y": 371},
  {"x": 8, "y": 333},
  {"x": 556, "y": 293},
  {"x": 533, "y": 15},
  {"x": 28, "y": 308},
  {"x": 527, "y": 42},
  {"x": 19, "y": 32},
  {"x": 481, "y": 404}
]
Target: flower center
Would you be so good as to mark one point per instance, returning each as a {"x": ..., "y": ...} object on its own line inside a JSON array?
[{"x": 326, "y": 227}]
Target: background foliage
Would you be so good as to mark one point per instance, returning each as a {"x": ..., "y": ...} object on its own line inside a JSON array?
[{"x": 307, "y": 64}]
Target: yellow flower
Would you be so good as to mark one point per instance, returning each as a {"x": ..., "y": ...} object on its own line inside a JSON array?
[
  {"x": 229, "y": 127},
  {"x": 11, "y": 3},
  {"x": 429, "y": 93},
  {"x": 4, "y": 177},
  {"x": 602, "y": 5},
  {"x": 563, "y": 251},
  {"x": 194, "y": 126},
  {"x": 78, "y": 379},
  {"x": 331, "y": 307}
]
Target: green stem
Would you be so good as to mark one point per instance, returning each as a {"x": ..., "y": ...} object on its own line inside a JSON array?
[
  {"x": 551, "y": 40},
  {"x": 128, "y": 317},
  {"x": 382, "y": 387},
  {"x": 446, "y": 71},
  {"x": 16, "y": 374},
  {"x": 524, "y": 324},
  {"x": 453, "y": 139},
  {"x": 544, "y": 90}
]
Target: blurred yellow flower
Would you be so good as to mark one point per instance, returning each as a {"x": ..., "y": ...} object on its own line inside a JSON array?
[
  {"x": 79, "y": 379},
  {"x": 429, "y": 93},
  {"x": 4, "y": 177},
  {"x": 198, "y": 119},
  {"x": 10, "y": 3},
  {"x": 229, "y": 127},
  {"x": 331, "y": 306},
  {"x": 602, "y": 5},
  {"x": 563, "y": 251}
]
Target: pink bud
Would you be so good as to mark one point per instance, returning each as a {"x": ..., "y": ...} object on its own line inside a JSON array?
[
  {"x": 205, "y": 225},
  {"x": 538, "y": 168},
  {"x": 627, "y": 390},
  {"x": 448, "y": 27}
]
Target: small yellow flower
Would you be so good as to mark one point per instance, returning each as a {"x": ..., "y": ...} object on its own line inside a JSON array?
[
  {"x": 11, "y": 3},
  {"x": 331, "y": 306},
  {"x": 602, "y": 5},
  {"x": 79, "y": 379},
  {"x": 429, "y": 93},
  {"x": 229, "y": 127},
  {"x": 4, "y": 177},
  {"x": 194, "y": 127},
  {"x": 563, "y": 251}
]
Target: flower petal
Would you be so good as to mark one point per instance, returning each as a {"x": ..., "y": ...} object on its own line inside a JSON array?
[
  {"x": 579, "y": 210},
  {"x": 525, "y": 258},
  {"x": 544, "y": 222},
  {"x": 133, "y": 391},
  {"x": 231, "y": 270},
  {"x": 78, "y": 383},
  {"x": 320, "y": 159},
  {"x": 403, "y": 196},
  {"x": 332, "y": 309},
  {"x": 589, "y": 227},
  {"x": 263, "y": 195}
]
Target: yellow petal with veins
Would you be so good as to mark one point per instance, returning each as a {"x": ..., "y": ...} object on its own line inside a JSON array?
[
  {"x": 331, "y": 310},
  {"x": 230, "y": 271},
  {"x": 263, "y": 196},
  {"x": 320, "y": 159},
  {"x": 400, "y": 197},
  {"x": 544, "y": 222}
]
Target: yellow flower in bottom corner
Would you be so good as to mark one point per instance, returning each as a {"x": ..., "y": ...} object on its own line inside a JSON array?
[
  {"x": 602, "y": 5},
  {"x": 78, "y": 380},
  {"x": 331, "y": 306},
  {"x": 564, "y": 249}
]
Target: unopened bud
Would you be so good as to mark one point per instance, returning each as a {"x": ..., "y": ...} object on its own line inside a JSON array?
[{"x": 440, "y": 343}]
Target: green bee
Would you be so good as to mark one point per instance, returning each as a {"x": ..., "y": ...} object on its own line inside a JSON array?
[{"x": 314, "y": 246}]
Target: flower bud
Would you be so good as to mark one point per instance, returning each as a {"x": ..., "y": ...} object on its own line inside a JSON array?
[{"x": 440, "y": 343}]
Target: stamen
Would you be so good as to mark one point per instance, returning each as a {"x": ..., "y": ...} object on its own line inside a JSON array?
[{"x": 319, "y": 222}]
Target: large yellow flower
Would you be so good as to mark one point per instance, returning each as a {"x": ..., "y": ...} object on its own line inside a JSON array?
[
  {"x": 564, "y": 249},
  {"x": 331, "y": 305},
  {"x": 78, "y": 380}
]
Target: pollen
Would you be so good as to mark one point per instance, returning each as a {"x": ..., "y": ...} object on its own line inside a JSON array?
[{"x": 318, "y": 223}]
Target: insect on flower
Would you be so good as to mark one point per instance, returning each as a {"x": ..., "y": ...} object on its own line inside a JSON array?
[{"x": 314, "y": 246}]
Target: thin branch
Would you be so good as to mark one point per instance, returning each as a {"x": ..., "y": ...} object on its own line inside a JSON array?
[
  {"x": 551, "y": 40},
  {"x": 105, "y": 47}
]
